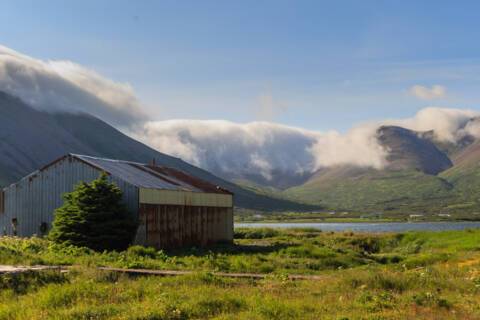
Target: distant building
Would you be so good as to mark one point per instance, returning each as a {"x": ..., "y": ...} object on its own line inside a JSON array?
[
  {"x": 377, "y": 215},
  {"x": 413, "y": 216},
  {"x": 174, "y": 209}
]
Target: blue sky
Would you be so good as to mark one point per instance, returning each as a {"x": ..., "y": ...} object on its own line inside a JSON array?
[{"x": 313, "y": 64}]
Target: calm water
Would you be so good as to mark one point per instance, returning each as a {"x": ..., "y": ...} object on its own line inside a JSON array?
[{"x": 370, "y": 227}]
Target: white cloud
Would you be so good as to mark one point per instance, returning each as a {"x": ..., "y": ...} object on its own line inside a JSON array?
[
  {"x": 425, "y": 93},
  {"x": 262, "y": 147},
  {"x": 264, "y": 167},
  {"x": 447, "y": 124},
  {"x": 66, "y": 86},
  {"x": 358, "y": 147},
  {"x": 227, "y": 147}
]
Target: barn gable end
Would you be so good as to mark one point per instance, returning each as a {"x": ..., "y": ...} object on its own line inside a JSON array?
[{"x": 33, "y": 199}]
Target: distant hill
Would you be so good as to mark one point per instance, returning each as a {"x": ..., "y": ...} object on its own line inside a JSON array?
[
  {"x": 422, "y": 176},
  {"x": 403, "y": 191},
  {"x": 465, "y": 176},
  {"x": 410, "y": 150},
  {"x": 29, "y": 139},
  {"x": 467, "y": 156}
]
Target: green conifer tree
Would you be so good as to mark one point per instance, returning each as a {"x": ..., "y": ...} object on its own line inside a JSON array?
[{"x": 94, "y": 216}]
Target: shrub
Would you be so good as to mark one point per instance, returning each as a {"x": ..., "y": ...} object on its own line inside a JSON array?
[
  {"x": 425, "y": 259},
  {"x": 429, "y": 298},
  {"x": 94, "y": 216},
  {"x": 209, "y": 306},
  {"x": 256, "y": 233},
  {"x": 21, "y": 282},
  {"x": 368, "y": 244},
  {"x": 147, "y": 252},
  {"x": 309, "y": 251}
]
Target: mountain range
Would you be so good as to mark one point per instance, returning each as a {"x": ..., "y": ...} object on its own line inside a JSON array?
[
  {"x": 30, "y": 139},
  {"x": 422, "y": 173}
]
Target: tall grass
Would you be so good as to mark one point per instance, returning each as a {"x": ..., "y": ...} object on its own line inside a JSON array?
[
  {"x": 263, "y": 250},
  {"x": 366, "y": 293},
  {"x": 410, "y": 276}
]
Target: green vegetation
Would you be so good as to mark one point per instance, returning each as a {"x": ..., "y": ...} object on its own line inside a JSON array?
[
  {"x": 416, "y": 275},
  {"x": 467, "y": 187},
  {"x": 398, "y": 194},
  {"x": 244, "y": 216},
  {"x": 94, "y": 216},
  {"x": 386, "y": 191}
]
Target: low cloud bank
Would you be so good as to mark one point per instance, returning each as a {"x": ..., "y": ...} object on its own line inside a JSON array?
[
  {"x": 223, "y": 146},
  {"x": 66, "y": 86},
  {"x": 263, "y": 147},
  {"x": 447, "y": 124}
]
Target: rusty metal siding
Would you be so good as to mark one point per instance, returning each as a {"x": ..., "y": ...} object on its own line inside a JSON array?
[
  {"x": 33, "y": 199},
  {"x": 172, "y": 226},
  {"x": 185, "y": 198}
]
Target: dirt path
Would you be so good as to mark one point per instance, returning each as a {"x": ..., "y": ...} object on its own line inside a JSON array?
[
  {"x": 219, "y": 274},
  {"x": 20, "y": 269},
  {"x": 9, "y": 269}
]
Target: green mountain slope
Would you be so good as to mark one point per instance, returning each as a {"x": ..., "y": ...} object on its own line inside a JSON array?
[
  {"x": 406, "y": 191},
  {"x": 465, "y": 177}
]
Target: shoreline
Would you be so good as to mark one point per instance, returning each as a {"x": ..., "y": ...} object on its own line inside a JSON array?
[
  {"x": 367, "y": 227},
  {"x": 293, "y": 221}
]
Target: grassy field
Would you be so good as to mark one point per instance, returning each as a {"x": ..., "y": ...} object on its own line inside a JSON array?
[{"x": 421, "y": 275}]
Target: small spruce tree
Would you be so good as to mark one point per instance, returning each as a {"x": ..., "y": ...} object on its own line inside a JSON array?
[{"x": 94, "y": 216}]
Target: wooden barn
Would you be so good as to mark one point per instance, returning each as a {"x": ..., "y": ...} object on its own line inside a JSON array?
[{"x": 174, "y": 209}]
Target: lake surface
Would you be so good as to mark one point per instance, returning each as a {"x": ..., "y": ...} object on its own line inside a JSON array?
[{"x": 369, "y": 227}]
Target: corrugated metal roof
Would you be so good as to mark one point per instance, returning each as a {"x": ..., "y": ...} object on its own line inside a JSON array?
[
  {"x": 151, "y": 177},
  {"x": 184, "y": 178}
]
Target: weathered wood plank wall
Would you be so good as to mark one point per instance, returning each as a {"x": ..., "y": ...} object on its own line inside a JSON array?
[{"x": 171, "y": 226}]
